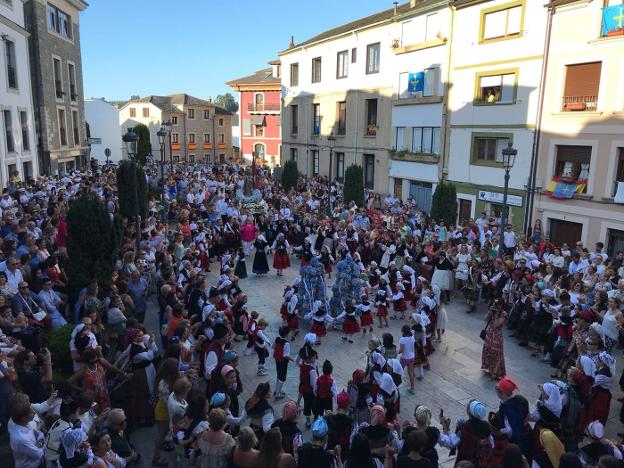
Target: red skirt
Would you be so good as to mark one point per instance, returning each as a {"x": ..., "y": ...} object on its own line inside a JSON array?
[
  {"x": 304, "y": 262},
  {"x": 281, "y": 261},
  {"x": 284, "y": 312},
  {"x": 400, "y": 305},
  {"x": 366, "y": 319},
  {"x": 293, "y": 323},
  {"x": 382, "y": 311},
  {"x": 408, "y": 295},
  {"x": 318, "y": 328},
  {"x": 350, "y": 326},
  {"x": 328, "y": 268}
]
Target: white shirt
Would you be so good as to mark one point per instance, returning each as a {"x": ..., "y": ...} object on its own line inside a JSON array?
[
  {"x": 14, "y": 279},
  {"x": 408, "y": 347},
  {"x": 26, "y": 446}
]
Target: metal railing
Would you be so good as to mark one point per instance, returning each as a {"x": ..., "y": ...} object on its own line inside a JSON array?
[
  {"x": 579, "y": 103},
  {"x": 263, "y": 108}
]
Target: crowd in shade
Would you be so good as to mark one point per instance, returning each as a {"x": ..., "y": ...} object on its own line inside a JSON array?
[{"x": 383, "y": 269}]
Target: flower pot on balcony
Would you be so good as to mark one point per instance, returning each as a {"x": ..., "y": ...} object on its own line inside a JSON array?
[{"x": 576, "y": 106}]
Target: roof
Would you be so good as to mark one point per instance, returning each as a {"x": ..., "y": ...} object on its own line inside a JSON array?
[
  {"x": 362, "y": 23},
  {"x": 169, "y": 103},
  {"x": 264, "y": 76}
]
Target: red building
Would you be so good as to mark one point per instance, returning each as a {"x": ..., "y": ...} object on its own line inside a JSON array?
[{"x": 260, "y": 107}]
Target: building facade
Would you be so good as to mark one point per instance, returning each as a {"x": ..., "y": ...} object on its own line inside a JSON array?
[
  {"x": 56, "y": 75},
  {"x": 496, "y": 63},
  {"x": 581, "y": 144},
  {"x": 18, "y": 147},
  {"x": 103, "y": 121},
  {"x": 201, "y": 130},
  {"x": 260, "y": 114}
]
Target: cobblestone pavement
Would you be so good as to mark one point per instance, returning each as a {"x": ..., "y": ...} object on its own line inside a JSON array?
[{"x": 454, "y": 379}]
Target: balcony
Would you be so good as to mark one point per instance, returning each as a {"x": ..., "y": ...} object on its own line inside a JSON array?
[
  {"x": 263, "y": 108},
  {"x": 410, "y": 156},
  {"x": 192, "y": 146},
  {"x": 207, "y": 146},
  {"x": 579, "y": 103},
  {"x": 221, "y": 146},
  {"x": 371, "y": 130},
  {"x": 175, "y": 146}
]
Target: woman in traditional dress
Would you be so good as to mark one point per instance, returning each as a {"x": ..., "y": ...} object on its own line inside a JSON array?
[
  {"x": 142, "y": 351},
  {"x": 260, "y": 264},
  {"x": 281, "y": 261},
  {"x": 443, "y": 273},
  {"x": 492, "y": 355}
]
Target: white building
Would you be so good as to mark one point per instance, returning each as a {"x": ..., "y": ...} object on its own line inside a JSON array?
[
  {"x": 148, "y": 111},
  {"x": 18, "y": 145},
  {"x": 103, "y": 120},
  {"x": 497, "y": 51}
]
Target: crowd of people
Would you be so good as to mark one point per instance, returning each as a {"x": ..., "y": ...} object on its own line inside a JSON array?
[{"x": 562, "y": 302}]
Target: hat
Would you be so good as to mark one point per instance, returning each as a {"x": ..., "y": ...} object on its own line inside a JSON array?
[
  {"x": 343, "y": 400},
  {"x": 319, "y": 428},
  {"x": 477, "y": 409},
  {"x": 595, "y": 429},
  {"x": 217, "y": 399},
  {"x": 506, "y": 386},
  {"x": 229, "y": 356},
  {"x": 219, "y": 331},
  {"x": 225, "y": 370},
  {"x": 548, "y": 293}
]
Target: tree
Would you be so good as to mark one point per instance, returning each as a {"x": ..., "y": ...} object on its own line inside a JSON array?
[
  {"x": 125, "y": 189},
  {"x": 91, "y": 243},
  {"x": 144, "y": 148},
  {"x": 444, "y": 203},
  {"x": 354, "y": 185},
  {"x": 290, "y": 175},
  {"x": 228, "y": 102}
]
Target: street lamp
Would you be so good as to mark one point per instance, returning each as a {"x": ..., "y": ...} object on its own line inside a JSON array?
[
  {"x": 131, "y": 141},
  {"x": 509, "y": 158},
  {"x": 331, "y": 142},
  {"x": 162, "y": 134},
  {"x": 168, "y": 127}
]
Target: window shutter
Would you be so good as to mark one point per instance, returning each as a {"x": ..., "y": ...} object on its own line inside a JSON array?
[
  {"x": 246, "y": 127},
  {"x": 577, "y": 154},
  {"x": 582, "y": 79}
]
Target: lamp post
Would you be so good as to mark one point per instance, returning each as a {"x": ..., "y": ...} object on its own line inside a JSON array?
[
  {"x": 331, "y": 142},
  {"x": 131, "y": 140},
  {"x": 509, "y": 157},
  {"x": 162, "y": 134},
  {"x": 168, "y": 125}
]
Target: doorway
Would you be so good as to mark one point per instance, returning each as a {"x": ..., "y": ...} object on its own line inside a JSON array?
[
  {"x": 565, "y": 232},
  {"x": 421, "y": 192},
  {"x": 465, "y": 211},
  {"x": 398, "y": 188}
]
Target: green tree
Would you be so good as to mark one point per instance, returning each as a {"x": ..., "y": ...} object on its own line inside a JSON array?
[
  {"x": 144, "y": 148},
  {"x": 354, "y": 185},
  {"x": 91, "y": 243},
  {"x": 228, "y": 102},
  {"x": 125, "y": 189},
  {"x": 290, "y": 174},
  {"x": 444, "y": 203}
]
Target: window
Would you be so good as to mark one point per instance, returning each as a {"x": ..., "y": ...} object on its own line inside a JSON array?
[
  {"x": 342, "y": 67},
  {"x": 192, "y": 138},
  {"x": 372, "y": 58},
  {"x": 62, "y": 127},
  {"x": 206, "y": 157},
  {"x": 221, "y": 138},
  {"x": 354, "y": 55},
  {"x": 426, "y": 140},
  {"x": 619, "y": 174},
  {"x": 146, "y": 112},
  {"x": 294, "y": 74},
  {"x": 431, "y": 81},
  {"x": 259, "y": 150},
  {"x": 59, "y": 21},
  {"x": 399, "y": 140},
  {"x": 259, "y": 102},
  {"x": 221, "y": 122},
  {"x": 316, "y": 119},
  {"x": 191, "y": 114},
  {"x": 502, "y": 23},
  {"x": 371, "y": 117},
  {"x": 293, "y": 154},
  {"x": 418, "y": 84},
  {"x": 27, "y": 169},
  {"x": 9, "y": 49},
  {"x": 294, "y": 119},
  {"x": 206, "y": 137},
  {"x": 398, "y": 188},
  {"x": 8, "y": 131},
  {"x": 316, "y": 70},
  {"x": 564, "y": 231},
  {"x": 341, "y": 121},
  {"x": 369, "y": 171},
  {"x": 222, "y": 158},
  {"x": 132, "y": 112},
  {"x": 432, "y": 27},
  {"x": 496, "y": 89},
  {"x": 25, "y": 132},
  {"x": 174, "y": 120},
  {"x": 259, "y": 129},
  {"x": 58, "y": 78},
  {"x": 73, "y": 90},
  {"x": 580, "y": 92},
  {"x": 315, "y": 162},
  {"x": 75, "y": 128},
  {"x": 488, "y": 148},
  {"x": 176, "y": 158},
  {"x": 191, "y": 158},
  {"x": 206, "y": 114},
  {"x": 410, "y": 34},
  {"x": 573, "y": 162},
  {"x": 175, "y": 138},
  {"x": 340, "y": 158}
]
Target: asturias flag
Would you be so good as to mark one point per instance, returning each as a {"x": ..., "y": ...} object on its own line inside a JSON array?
[
  {"x": 612, "y": 18},
  {"x": 416, "y": 82}
]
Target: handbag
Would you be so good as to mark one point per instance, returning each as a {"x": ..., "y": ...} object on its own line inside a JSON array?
[{"x": 484, "y": 331}]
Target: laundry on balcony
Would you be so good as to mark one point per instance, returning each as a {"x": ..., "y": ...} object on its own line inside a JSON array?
[{"x": 565, "y": 188}]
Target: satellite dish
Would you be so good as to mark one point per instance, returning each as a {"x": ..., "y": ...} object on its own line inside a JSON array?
[{"x": 107, "y": 152}]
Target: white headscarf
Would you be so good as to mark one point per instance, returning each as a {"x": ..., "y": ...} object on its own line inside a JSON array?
[
  {"x": 71, "y": 440},
  {"x": 553, "y": 398},
  {"x": 377, "y": 358},
  {"x": 316, "y": 306},
  {"x": 261, "y": 238},
  {"x": 595, "y": 429},
  {"x": 385, "y": 382},
  {"x": 397, "y": 368},
  {"x": 608, "y": 361},
  {"x": 588, "y": 365}
]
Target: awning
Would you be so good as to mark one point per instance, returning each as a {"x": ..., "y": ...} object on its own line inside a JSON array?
[{"x": 257, "y": 120}]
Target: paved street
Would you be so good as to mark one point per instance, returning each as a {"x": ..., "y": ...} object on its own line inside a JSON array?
[{"x": 454, "y": 379}]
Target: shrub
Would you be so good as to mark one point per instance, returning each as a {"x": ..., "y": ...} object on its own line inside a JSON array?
[
  {"x": 144, "y": 147},
  {"x": 354, "y": 185},
  {"x": 444, "y": 203},
  {"x": 125, "y": 189},
  {"x": 290, "y": 175},
  {"x": 57, "y": 341}
]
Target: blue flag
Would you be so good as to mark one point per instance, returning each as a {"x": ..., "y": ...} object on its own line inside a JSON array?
[
  {"x": 612, "y": 18},
  {"x": 416, "y": 82}
]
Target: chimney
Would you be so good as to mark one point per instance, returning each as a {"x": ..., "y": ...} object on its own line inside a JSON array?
[
  {"x": 412, "y": 3},
  {"x": 292, "y": 42},
  {"x": 396, "y": 5}
]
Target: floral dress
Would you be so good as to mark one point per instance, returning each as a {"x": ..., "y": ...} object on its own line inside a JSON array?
[{"x": 493, "y": 356}]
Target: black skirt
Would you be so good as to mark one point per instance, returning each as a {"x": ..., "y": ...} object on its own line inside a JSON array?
[{"x": 260, "y": 264}]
